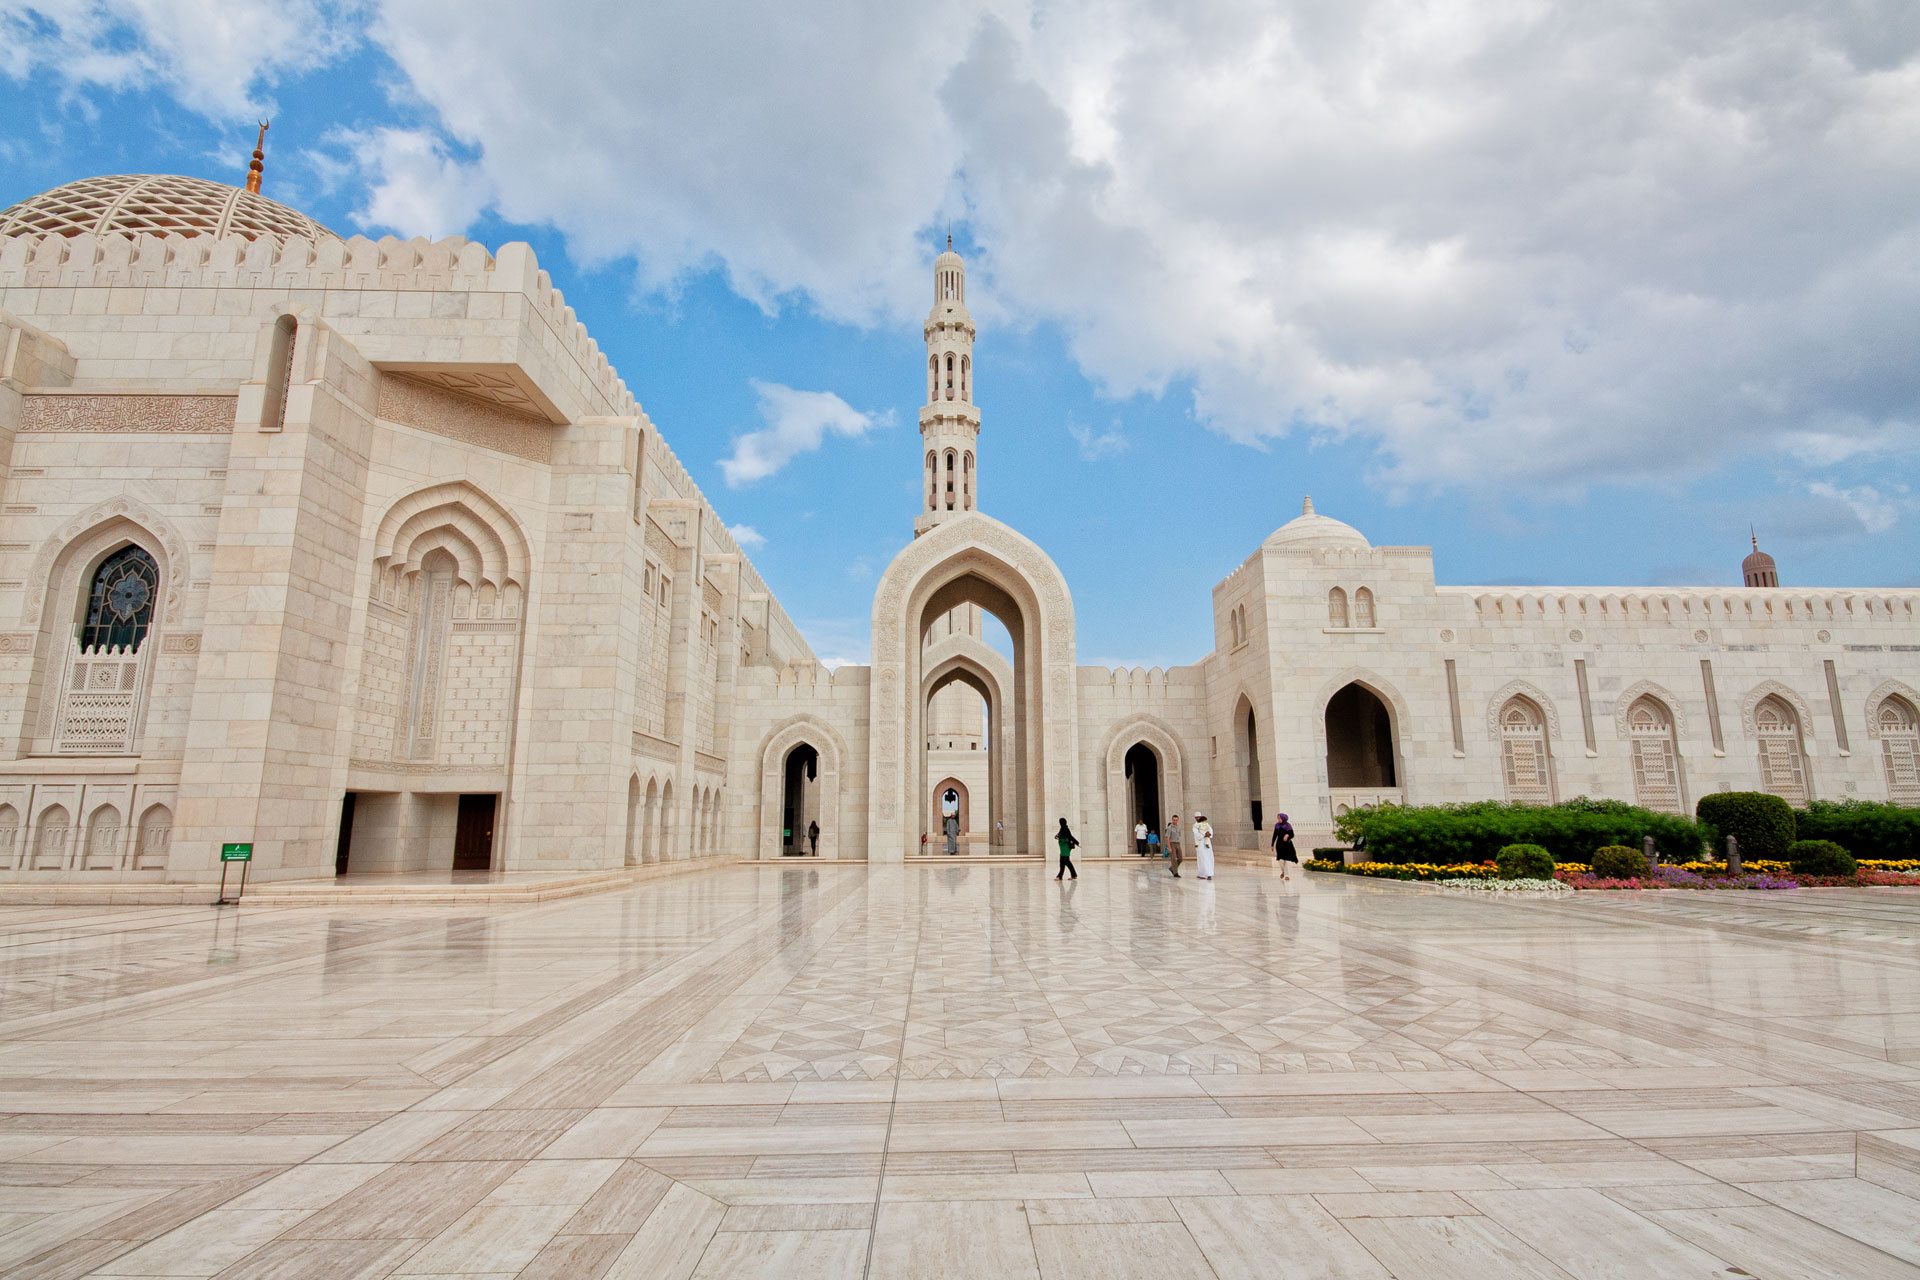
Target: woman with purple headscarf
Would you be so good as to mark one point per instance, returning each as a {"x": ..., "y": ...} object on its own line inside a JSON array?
[{"x": 1283, "y": 850}]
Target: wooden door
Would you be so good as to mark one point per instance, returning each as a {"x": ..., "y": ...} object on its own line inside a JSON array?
[{"x": 473, "y": 839}]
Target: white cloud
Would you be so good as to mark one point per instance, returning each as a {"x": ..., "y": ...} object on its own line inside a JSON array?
[
  {"x": 1874, "y": 511},
  {"x": 414, "y": 186},
  {"x": 797, "y": 422},
  {"x": 746, "y": 537},
  {"x": 1515, "y": 244},
  {"x": 208, "y": 53},
  {"x": 1094, "y": 447}
]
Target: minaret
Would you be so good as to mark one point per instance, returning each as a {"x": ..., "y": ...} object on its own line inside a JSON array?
[{"x": 949, "y": 422}]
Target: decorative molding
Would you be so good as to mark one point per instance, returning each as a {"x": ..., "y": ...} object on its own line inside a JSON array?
[
  {"x": 181, "y": 642},
  {"x": 1643, "y": 689},
  {"x": 1881, "y": 692},
  {"x": 167, "y": 415},
  {"x": 411, "y": 402},
  {"x": 710, "y": 762},
  {"x": 1773, "y": 688},
  {"x": 645, "y": 744},
  {"x": 17, "y": 642},
  {"x": 1520, "y": 688}
]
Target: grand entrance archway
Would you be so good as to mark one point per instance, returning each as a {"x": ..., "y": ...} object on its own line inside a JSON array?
[
  {"x": 800, "y": 764},
  {"x": 974, "y": 560}
]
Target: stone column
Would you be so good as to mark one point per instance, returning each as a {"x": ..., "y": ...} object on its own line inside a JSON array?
[
  {"x": 574, "y": 743},
  {"x": 266, "y": 749}
]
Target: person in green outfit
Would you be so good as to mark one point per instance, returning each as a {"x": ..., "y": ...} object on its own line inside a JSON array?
[{"x": 1064, "y": 838}]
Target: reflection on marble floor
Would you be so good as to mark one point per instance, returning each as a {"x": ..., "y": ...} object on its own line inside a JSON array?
[{"x": 967, "y": 1071}]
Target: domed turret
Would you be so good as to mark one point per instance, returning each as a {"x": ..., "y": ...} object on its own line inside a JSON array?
[
  {"x": 1758, "y": 568},
  {"x": 949, "y": 421},
  {"x": 156, "y": 204},
  {"x": 1309, "y": 529}
]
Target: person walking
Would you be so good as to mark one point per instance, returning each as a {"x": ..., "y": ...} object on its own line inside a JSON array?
[
  {"x": 1202, "y": 847},
  {"x": 1153, "y": 844},
  {"x": 813, "y": 838},
  {"x": 1173, "y": 846},
  {"x": 1283, "y": 850},
  {"x": 1140, "y": 839},
  {"x": 1064, "y": 838}
]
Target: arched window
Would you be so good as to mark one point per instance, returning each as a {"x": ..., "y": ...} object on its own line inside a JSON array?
[
  {"x": 1336, "y": 608},
  {"x": 949, "y": 375},
  {"x": 1656, "y": 765},
  {"x": 156, "y": 834},
  {"x": 966, "y": 378},
  {"x": 273, "y": 402},
  {"x": 50, "y": 846},
  {"x": 933, "y": 481},
  {"x": 9, "y": 835},
  {"x": 966, "y": 482},
  {"x": 933, "y": 378},
  {"x": 1900, "y": 749},
  {"x": 1363, "y": 607},
  {"x": 1524, "y": 755},
  {"x": 949, "y": 485},
  {"x": 120, "y": 601},
  {"x": 1783, "y": 762}
]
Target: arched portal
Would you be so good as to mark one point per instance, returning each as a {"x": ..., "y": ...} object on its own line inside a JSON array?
[
  {"x": 1246, "y": 751},
  {"x": 800, "y": 772},
  {"x": 965, "y": 664},
  {"x": 1143, "y": 763},
  {"x": 1361, "y": 751},
  {"x": 951, "y": 799},
  {"x": 973, "y": 559}
]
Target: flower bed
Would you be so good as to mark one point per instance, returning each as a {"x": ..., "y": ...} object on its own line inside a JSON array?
[{"x": 1758, "y": 875}]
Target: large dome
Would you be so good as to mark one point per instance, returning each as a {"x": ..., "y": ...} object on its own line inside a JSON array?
[
  {"x": 1311, "y": 530},
  {"x": 156, "y": 204}
]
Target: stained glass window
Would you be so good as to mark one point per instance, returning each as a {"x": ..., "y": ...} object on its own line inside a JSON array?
[{"x": 120, "y": 603}]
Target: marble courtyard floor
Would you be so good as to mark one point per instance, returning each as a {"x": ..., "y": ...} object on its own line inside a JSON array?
[{"x": 969, "y": 1071}]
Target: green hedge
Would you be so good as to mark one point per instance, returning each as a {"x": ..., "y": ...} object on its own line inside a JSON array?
[
  {"x": 1762, "y": 823},
  {"x": 1476, "y": 832},
  {"x": 1865, "y": 828},
  {"x": 1617, "y": 862},
  {"x": 1820, "y": 858},
  {"x": 1524, "y": 862}
]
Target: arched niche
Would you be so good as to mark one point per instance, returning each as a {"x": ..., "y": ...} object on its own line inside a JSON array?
[
  {"x": 971, "y": 662},
  {"x": 973, "y": 559}
]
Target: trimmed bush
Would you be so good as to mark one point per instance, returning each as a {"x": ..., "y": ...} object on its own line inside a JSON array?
[
  {"x": 1866, "y": 828},
  {"x": 1618, "y": 862},
  {"x": 1763, "y": 824},
  {"x": 1456, "y": 833},
  {"x": 1820, "y": 858},
  {"x": 1524, "y": 862}
]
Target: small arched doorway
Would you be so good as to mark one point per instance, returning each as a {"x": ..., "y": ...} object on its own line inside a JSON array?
[
  {"x": 799, "y": 798},
  {"x": 950, "y": 799},
  {"x": 1247, "y": 752},
  {"x": 1144, "y": 789}
]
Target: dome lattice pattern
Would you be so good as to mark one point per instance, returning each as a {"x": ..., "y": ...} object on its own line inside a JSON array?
[{"x": 156, "y": 204}]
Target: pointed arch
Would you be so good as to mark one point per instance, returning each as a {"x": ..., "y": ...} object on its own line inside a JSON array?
[
  {"x": 1163, "y": 741},
  {"x": 458, "y": 510},
  {"x": 92, "y": 535},
  {"x": 833, "y": 757},
  {"x": 1337, "y": 608},
  {"x": 1531, "y": 692},
  {"x": 1647, "y": 689},
  {"x": 1774, "y": 689}
]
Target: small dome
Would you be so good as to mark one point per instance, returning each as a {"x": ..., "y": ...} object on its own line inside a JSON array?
[
  {"x": 1310, "y": 530},
  {"x": 1758, "y": 569},
  {"x": 156, "y": 204}
]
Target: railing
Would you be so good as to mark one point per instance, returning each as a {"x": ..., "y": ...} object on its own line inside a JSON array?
[{"x": 1346, "y": 799}]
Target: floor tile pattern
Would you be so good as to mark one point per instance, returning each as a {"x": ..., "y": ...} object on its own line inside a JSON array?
[{"x": 967, "y": 1071}]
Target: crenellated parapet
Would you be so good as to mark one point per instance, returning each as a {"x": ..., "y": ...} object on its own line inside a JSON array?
[{"x": 1733, "y": 605}]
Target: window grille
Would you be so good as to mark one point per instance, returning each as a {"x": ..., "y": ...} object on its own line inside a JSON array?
[
  {"x": 1528, "y": 767},
  {"x": 1783, "y": 768}
]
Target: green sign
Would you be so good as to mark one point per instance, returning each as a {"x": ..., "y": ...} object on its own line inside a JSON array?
[{"x": 236, "y": 853}]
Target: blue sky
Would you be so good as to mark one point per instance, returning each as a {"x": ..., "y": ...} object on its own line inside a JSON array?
[{"x": 1572, "y": 297}]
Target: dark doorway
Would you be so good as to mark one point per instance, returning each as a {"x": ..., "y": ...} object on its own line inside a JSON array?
[
  {"x": 1253, "y": 772},
  {"x": 1359, "y": 740},
  {"x": 803, "y": 769},
  {"x": 1143, "y": 770},
  {"x": 345, "y": 844},
  {"x": 473, "y": 838}
]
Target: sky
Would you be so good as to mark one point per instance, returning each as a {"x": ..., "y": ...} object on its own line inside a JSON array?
[{"x": 1572, "y": 293}]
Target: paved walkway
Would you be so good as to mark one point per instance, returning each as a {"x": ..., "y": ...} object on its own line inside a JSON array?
[{"x": 968, "y": 1071}]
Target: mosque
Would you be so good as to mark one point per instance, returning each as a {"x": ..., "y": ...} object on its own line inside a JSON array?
[{"x": 361, "y": 553}]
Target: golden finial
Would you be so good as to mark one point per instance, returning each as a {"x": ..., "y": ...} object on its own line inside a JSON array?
[
  {"x": 259, "y": 164},
  {"x": 1755, "y": 535}
]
